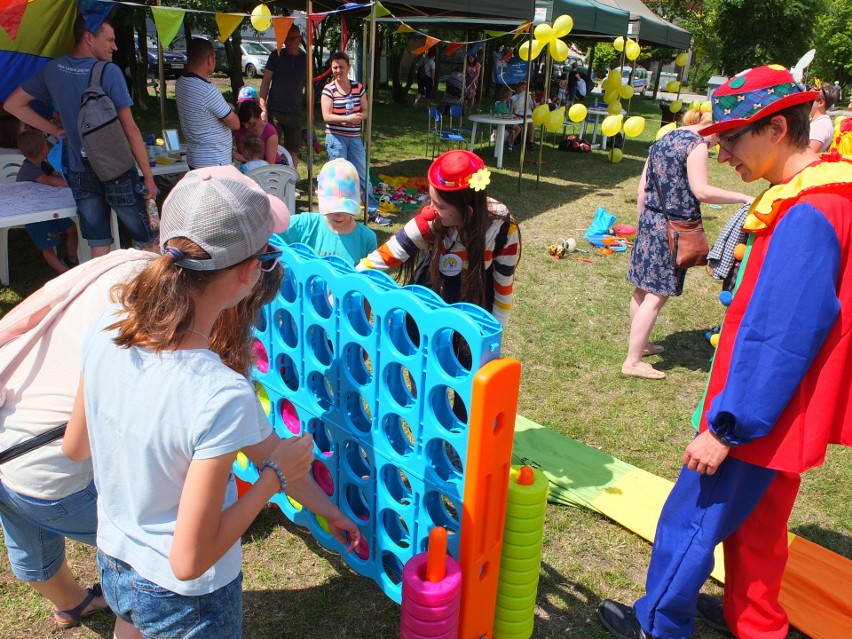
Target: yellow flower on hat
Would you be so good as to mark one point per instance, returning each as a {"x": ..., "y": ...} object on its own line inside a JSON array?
[{"x": 480, "y": 179}]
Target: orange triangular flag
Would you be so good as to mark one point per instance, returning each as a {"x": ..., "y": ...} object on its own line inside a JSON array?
[
  {"x": 522, "y": 30},
  {"x": 11, "y": 15},
  {"x": 227, "y": 22},
  {"x": 452, "y": 48},
  {"x": 281, "y": 25},
  {"x": 430, "y": 42}
]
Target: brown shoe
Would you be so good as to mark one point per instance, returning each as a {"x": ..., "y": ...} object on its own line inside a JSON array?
[{"x": 645, "y": 371}]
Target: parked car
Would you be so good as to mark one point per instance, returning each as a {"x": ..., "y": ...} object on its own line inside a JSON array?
[
  {"x": 174, "y": 62},
  {"x": 254, "y": 58},
  {"x": 640, "y": 79}
]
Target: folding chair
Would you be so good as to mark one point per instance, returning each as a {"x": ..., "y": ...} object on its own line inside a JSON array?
[{"x": 442, "y": 135}]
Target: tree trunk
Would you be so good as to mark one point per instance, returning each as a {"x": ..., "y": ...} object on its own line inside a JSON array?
[{"x": 235, "y": 63}]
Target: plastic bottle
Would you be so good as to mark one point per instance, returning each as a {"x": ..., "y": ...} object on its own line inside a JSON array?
[
  {"x": 153, "y": 214},
  {"x": 350, "y": 105},
  {"x": 150, "y": 141}
]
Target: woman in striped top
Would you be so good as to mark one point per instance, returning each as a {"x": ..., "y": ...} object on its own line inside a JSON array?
[
  {"x": 466, "y": 243},
  {"x": 344, "y": 108}
]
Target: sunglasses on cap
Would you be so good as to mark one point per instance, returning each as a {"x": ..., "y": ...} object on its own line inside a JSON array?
[{"x": 269, "y": 258}]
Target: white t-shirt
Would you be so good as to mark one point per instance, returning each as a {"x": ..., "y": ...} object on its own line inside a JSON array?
[
  {"x": 40, "y": 395},
  {"x": 822, "y": 129},
  {"x": 148, "y": 417},
  {"x": 518, "y": 103}
]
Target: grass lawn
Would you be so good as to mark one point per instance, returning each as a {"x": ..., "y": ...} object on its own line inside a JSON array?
[{"x": 569, "y": 330}]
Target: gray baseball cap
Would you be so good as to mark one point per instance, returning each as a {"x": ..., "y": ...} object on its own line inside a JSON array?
[{"x": 225, "y": 213}]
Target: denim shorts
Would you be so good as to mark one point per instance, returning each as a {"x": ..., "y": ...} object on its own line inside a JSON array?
[
  {"x": 159, "y": 613},
  {"x": 95, "y": 199},
  {"x": 35, "y": 529}
]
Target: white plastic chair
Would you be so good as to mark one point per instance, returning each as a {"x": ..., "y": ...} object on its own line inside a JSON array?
[
  {"x": 285, "y": 154},
  {"x": 278, "y": 180},
  {"x": 10, "y": 163}
]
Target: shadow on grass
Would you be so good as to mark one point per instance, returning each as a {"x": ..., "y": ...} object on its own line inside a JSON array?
[
  {"x": 565, "y": 608},
  {"x": 685, "y": 349}
]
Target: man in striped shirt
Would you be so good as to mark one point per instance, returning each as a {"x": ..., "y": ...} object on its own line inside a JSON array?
[{"x": 205, "y": 118}]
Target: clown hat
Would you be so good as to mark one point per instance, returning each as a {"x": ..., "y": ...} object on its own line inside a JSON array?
[
  {"x": 457, "y": 170},
  {"x": 753, "y": 95}
]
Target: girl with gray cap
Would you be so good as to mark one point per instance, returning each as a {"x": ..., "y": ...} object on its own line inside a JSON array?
[{"x": 164, "y": 406}]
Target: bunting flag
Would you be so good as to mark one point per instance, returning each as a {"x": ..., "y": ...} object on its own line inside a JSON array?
[
  {"x": 508, "y": 55},
  {"x": 167, "y": 21},
  {"x": 452, "y": 48},
  {"x": 522, "y": 30},
  {"x": 11, "y": 15},
  {"x": 475, "y": 49},
  {"x": 94, "y": 13},
  {"x": 44, "y": 31},
  {"x": 430, "y": 42},
  {"x": 227, "y": 23},
  {"x": 381, "y": 11},
  {"x": 404, "y": 28},
  {"x": 497, "y": 34},
  {"x": 281, "y": 25}
]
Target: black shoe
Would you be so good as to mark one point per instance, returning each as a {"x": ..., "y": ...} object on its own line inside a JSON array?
[
  {"x": 710, "y": 612},
  {"x": 621, "y": 621}
]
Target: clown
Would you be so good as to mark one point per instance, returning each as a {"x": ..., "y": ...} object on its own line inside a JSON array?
[{"x": 778, "y": 392}]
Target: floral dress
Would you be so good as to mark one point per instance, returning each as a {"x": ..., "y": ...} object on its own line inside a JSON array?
[{"x": 651, "y": 268}]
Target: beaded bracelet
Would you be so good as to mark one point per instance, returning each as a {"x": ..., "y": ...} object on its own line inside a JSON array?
[{"x": 281, "y": 478}]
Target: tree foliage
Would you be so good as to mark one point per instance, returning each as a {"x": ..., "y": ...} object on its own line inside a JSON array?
[
  {"x": 833, "y": 42},
  {"x": 753, "y": 33}
]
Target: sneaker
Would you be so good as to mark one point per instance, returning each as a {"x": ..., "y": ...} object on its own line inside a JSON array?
[
  {"x": 710, "y": 612},
  {"x": 621, "y": 621},
  {"x": 379, "y": 219}
]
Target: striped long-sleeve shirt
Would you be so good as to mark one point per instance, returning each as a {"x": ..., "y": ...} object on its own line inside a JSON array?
[{"x": 418, "y": 235}]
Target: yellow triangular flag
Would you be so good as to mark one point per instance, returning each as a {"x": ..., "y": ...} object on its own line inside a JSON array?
[
  {"x": 227, "y": 22},
  {"x": 381, "y": 12},
  {"x": 281, "y": 25},
  {"x": 404, "y": 28},
  {"x": 168, "y": 22},
  {"x": 497, "y": 34}
]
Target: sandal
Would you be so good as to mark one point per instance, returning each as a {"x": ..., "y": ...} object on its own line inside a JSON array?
[
  {"x": 645, "y": 371},
  {"x": 653, "y": 349},
  {"x": 70, "y": 618}
]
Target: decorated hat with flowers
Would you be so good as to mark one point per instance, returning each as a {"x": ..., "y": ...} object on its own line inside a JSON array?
[
  {"x": 753, "y": 95},
  {"x": 457, "y": 170}
]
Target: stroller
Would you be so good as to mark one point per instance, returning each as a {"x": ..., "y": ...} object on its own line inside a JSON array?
[{"x": 453, "y": 92}]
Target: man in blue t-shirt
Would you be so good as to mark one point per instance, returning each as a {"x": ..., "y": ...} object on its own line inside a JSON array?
[
  {"x": 282, "y": 88},
  {"x": 61, "y": 82}
]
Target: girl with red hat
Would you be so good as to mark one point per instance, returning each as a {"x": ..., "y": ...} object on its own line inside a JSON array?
[{"x": 465, "y": 244}]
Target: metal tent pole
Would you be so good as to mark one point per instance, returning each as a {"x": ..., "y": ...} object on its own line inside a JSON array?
[
  {"x": 369, "y": 132},
  {"x": 309, "y": 90}
]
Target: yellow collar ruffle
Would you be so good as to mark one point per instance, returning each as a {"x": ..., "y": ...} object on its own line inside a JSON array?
[{"x": 768, "y": 204}]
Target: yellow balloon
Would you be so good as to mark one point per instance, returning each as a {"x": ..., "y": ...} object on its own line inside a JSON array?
[
  {"x": 543, "y": 33},
  {"x": 671, "y": 126},
  {"x": 614, "y": 108},
  {"x": 524, "y": 50},
  {"x": 540, "y": 113},
  {"x": 609, "y": 84},
  {"x": 261, "y": 17},
  {"x": 615, "y": 155},
  {"x": 672, "y": 86},
  {"x": 610, "y": 96},
  {"x": 556, "y": 120},
  {"x": 706, "y": 106},
  {"x": 634, "y": 126},
  {"x": 577, "y": 113},
  {"x": 681, "y": 59},
  {"x": 562, "y": 26},
  {"x": 614, "y": 76},
  {"x": 611, "y": 125},
  {"x": 558, "y": 50},
  {"x": 618, "y": 44},
  {"x": 695, "y": 104},
  {"x": 676, "y": 106},
  {"x": 625, "y": 91},
  {"x": 631, "y": 50}
]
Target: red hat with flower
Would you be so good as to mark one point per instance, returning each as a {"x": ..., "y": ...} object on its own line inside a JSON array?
[
  {"x": 753, "y": 95},
  {"x": 457, "y": 170}
]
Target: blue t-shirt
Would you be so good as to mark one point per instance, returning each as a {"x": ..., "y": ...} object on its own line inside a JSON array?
[
  {"x": 311, "y": 229},
  {"x": 61, "y": 82}
]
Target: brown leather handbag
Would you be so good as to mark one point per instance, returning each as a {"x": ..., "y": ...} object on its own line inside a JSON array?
[{"x": 687, "y": 240}]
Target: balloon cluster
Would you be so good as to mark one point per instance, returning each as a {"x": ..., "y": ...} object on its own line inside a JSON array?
[
  {"x": 548, "y": 36},
  {"x": 614, "y": 92},
  {"x": 629, "y": 47}
]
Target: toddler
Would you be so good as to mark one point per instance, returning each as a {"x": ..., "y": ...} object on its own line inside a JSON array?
[
  {"x": 48, "y": 234},
  {"x": 253, "y": 153},
  {"x": 334, "y": 231}
]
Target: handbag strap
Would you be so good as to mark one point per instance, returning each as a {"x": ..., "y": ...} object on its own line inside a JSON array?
[{"x": 34, "y": 442}]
